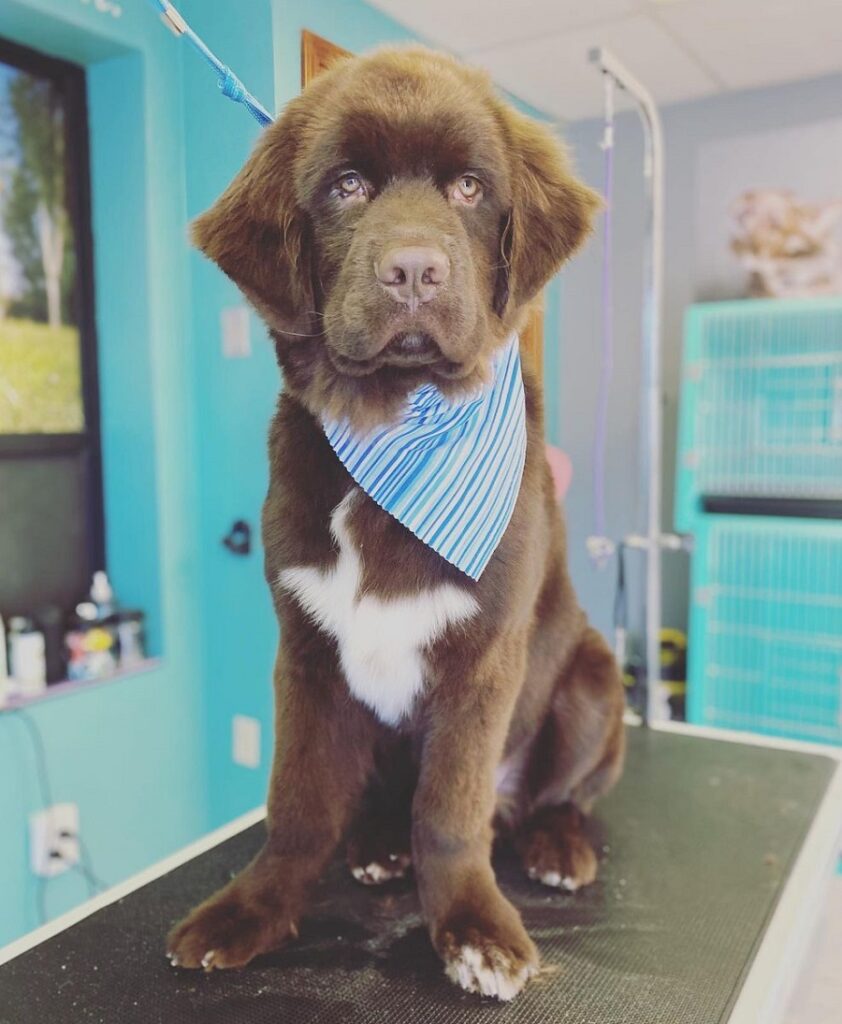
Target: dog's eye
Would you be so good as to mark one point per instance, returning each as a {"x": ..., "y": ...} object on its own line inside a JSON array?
[
  {"x": 467, "y": 190},
  {"x": 351, "y": 186}
]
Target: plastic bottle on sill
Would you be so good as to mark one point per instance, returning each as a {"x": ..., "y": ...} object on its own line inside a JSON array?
[
  {"x": 102, "y": 595},
  {"x": 90, "y": 644},
  {"x": 27, "y": 656},
  {"x": 50, "y": 621},
  {"x": 131, "y": 638}
]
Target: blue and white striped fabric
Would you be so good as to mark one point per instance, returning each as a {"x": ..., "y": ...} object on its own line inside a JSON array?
[{"x": 450, "y": 470}]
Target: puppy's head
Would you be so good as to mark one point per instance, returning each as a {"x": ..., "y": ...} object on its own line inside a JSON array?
[{"x": 391, "y": 226}]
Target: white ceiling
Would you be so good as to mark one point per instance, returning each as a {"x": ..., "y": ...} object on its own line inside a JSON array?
[{"x": 681, "y": 49}]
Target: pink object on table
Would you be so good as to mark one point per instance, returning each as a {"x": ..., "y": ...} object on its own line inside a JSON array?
[{"x": 561, "y": 468}]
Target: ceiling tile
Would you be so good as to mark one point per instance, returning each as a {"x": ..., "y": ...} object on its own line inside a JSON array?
[
  {"x": 759, "y": 42},
  {"x": 465, "y": 25},
  {"x": 553, "y": 72},
  {"x": 682, "y": 49}
]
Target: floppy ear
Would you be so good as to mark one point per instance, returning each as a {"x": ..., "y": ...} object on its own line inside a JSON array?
[
  {"x": 552, "y": 212},
  {"x": 257, "y": 233}
]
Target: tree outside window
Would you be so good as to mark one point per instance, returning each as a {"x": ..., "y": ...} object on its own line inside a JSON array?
[{"x": 40, "y": 379}]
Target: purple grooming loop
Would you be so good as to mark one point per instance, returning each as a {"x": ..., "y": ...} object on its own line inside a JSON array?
[{"x": 600, "y": 547}]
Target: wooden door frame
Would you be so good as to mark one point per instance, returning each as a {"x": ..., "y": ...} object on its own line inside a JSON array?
[{"x": 317, "y": 54}]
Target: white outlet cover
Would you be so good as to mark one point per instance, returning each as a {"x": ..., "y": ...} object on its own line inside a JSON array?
[
  {"x": 236, "y": 339},
  {"x": 45, "y": 828},
  {"x": 245, "y": 741}
]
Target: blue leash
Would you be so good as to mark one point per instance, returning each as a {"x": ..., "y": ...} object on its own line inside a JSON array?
[{"x": 229, "y": 84}]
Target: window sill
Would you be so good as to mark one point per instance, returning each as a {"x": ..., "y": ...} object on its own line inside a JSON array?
[{"x": 69, "y": 687}]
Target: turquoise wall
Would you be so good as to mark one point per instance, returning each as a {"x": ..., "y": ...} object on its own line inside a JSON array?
[
  {"x": 235, "y": 399},
  {"x": 129, "y": 753},
  {"x": 148, "y": 759}
]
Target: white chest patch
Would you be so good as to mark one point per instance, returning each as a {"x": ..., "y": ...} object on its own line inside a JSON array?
[{"x": 381, "y": 642}]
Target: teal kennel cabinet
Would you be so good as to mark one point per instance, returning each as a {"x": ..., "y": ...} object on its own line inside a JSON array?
[{"x": 759, "y": 486}]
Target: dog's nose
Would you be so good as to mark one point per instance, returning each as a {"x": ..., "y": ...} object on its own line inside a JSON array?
[{"x": 412, "y": 274}]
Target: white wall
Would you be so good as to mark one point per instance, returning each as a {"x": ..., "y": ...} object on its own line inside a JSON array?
[{"x": 805, "y": 158}]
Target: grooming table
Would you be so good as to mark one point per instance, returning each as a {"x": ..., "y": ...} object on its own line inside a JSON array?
[{"x": 714, "y": 857}]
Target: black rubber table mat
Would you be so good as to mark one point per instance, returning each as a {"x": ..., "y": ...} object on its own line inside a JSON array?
[{"x": 696, "y": 844}]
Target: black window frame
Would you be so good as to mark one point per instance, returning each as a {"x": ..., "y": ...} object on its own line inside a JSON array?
[{"x": 71, "y": 80}]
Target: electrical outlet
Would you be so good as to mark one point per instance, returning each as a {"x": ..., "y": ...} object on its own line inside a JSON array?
[
  {"x": 245, "y": 741},
  {"x": 53, "y": 846}
]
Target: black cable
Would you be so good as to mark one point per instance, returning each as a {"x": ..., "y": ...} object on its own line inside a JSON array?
[
  {"x": 40, "y": 756},
  {"x": 85, "y": 867},
  {"x": 44, "y": 785},
  {"x": 93, "y": 888},
  {"x": 620, "y": 598},
  {"x": 41, "y": 898}
]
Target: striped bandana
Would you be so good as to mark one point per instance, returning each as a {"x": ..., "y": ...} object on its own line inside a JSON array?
[{"x": 450, "y": 471}]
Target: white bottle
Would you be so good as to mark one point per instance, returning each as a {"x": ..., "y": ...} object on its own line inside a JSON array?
[
  {"x": 27, "y": 657},
  {"x": 102, "y": 594}
]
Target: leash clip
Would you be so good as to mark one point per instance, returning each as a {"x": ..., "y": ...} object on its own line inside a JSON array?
[
  {"x": 231, "y": 86},
  {"x": 173, "y": 20}
]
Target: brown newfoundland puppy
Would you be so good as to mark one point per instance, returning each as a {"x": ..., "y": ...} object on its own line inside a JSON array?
[{"x": 391, "y": 228}]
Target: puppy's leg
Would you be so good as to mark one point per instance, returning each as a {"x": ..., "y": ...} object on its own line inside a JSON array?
[
  {"x": 322, "y": 760},
  {"x": 555, "y": 850},
  {"x": 474, "y": 928},
  {"x": 379, "y": 841},
  {"x": 577, "y": 757}
]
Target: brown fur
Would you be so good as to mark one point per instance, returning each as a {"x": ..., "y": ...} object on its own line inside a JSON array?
[{"x": 526, "y": 684}]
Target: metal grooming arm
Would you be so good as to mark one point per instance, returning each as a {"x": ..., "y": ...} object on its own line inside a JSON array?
[{"x": 654, "y": 539}]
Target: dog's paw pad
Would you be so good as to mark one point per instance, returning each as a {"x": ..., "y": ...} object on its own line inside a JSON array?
[
  {"x": 225, "y": 932},
  {"x": 555, "y": 880},
  {"x": 378, "y": 872},
  {"x": 567, "y": 865},
  {"x": 489, "y": 972}
]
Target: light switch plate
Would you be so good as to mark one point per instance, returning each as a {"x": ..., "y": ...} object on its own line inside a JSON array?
[
  {"x": 245, "y": 741},
  {"x": 836, "y": 411},
  {"x": 236, "y": 338}
]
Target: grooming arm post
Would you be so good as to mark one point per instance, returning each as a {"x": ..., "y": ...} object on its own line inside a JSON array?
[{"x": 651, "y": 337}]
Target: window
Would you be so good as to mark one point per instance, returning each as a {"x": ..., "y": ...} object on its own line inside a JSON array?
[{"x": 51, "y": 519}]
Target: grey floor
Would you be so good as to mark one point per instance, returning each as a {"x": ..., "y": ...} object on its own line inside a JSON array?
[{"x": 818, "y": 996}]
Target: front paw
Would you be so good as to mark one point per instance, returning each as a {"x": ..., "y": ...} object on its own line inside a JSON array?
[
  {"x": 381, "y": 870},
  {"x": 493, "y": 957},
  {"x": 569, "y": 864},
  {"x": 227, "y": 931},
  {"x": 378, "y": 856},
  {"x": 556, "y": 850}
]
